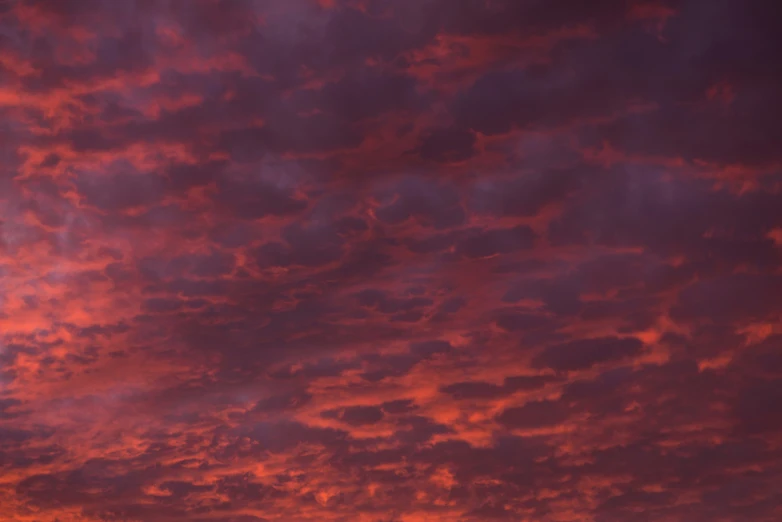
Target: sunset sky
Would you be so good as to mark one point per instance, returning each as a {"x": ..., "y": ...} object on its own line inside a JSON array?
[{"x": 390, "y": 261}]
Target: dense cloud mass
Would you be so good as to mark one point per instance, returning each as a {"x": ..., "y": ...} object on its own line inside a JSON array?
[{"x": 390, "y": 260}]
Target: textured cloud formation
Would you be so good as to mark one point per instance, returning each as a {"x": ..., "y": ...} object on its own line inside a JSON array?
[{"x": 390, "y": 260}]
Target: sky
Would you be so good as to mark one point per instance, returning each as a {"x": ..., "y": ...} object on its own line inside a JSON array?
[{"x": 390, "y": 261}]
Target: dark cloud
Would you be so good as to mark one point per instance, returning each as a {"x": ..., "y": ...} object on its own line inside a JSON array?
[
  {"x": 756, "y": 406},
  {"x": 737, "y": 297},
  {"x": 362, "y": 415},
  {"x": 497, "y": 241},
  {"x": 533, "y": 415},
  {"x": 121, "y": 190},
  {"x": 473, "y": 390},
  {"x": 433, "y": 204},
  {"x": 253, "y": 199},
  {"x": 585, "y": 353},
  {"x": 448, "y": 144},
  {"x": 526, "y": 194}
]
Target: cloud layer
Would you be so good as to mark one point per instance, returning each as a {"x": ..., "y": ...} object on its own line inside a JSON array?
[{"x": 390, "y": 261}]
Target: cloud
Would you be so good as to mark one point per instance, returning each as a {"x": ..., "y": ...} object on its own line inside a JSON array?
[
  {"x": 389, "y": 261},
  {"x": 585, "y": 353}
]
